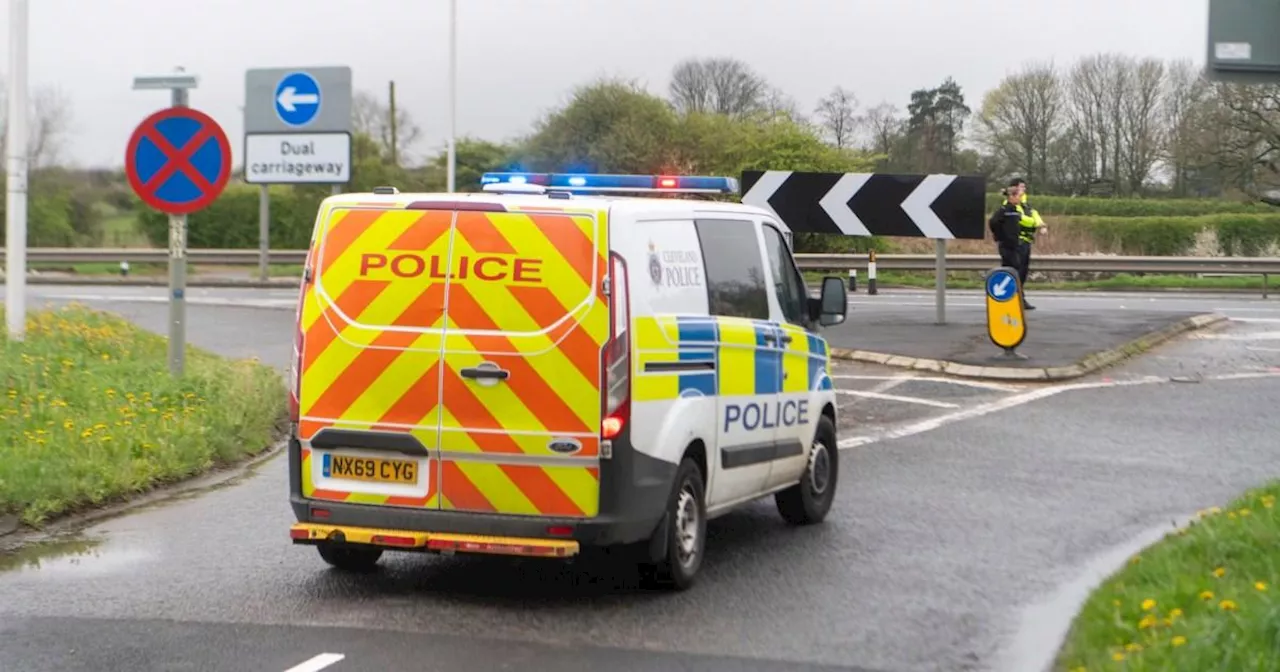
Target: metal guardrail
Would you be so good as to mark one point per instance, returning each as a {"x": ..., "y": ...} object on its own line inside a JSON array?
[{"x": 829, "y": 262}]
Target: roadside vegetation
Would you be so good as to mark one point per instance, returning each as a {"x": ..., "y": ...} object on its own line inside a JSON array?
[
  {"x": 90, "y": 413},
  {"x": 1205, "y": 598}
]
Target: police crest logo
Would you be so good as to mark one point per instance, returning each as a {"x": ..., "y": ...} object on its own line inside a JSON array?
[{"x": 655, "y": 265}]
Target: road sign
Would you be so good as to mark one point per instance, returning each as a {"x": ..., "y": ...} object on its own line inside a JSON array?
[
  {"x": 297, "y": 98},
  {"x": 872, "y": 204},
  {"x": 1006, "y": 324},
  {"x": 178, "y": 160},
  {"x": 304, "y": 99},
  {"x": 1243, "y": 44},
  {"x": 297, "y": 158}
]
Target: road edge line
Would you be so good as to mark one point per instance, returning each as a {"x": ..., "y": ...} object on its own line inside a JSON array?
[{"x": 1086, "y": 365}]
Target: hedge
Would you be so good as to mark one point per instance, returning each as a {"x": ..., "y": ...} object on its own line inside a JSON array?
[
  {"x": 1136, "y": 207},
  {"x": 1237, "y": 234},
  {"x": 231, "y": 222}
]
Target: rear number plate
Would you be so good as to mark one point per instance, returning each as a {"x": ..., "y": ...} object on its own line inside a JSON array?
[{"x": 373, "y": 469}]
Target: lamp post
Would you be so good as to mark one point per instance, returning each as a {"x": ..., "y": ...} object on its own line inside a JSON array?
[
  {"x": 452, "y": 169},
  {"x": 15, "y": 248}
]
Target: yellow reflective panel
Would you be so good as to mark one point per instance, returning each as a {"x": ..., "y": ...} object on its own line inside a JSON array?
[{"x": 1006, "y": 323}]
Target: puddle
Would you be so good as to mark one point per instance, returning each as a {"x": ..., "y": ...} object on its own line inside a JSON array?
[{"x": 38, "y": 554}]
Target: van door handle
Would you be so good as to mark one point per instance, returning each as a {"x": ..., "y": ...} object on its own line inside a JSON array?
[
  {"x": 785, "y": 338},
  {"x": 490, "y": 372}
]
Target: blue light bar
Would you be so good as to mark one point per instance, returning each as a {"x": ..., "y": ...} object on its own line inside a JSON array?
[{"x": 595, "y": 182}]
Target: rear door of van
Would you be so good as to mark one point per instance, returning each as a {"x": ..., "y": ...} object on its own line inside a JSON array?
[{"x": 460, "y": 342}]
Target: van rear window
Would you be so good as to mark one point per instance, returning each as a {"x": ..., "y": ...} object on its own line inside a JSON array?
[{"x": 735, "y": 270}]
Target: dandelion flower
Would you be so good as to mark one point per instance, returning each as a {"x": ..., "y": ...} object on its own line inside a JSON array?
[
  {"x": 1206, "y": 595},
  {"x": 1175, "y": 613},
  {"x": 1219, "y": 572},
  {"x": 1147, "y": 621},
  {"x": 1227, "y": 605},
  {"x": 1261, "y": 585},
  {"x": 1178, "y": 640},
  {"x": 1148, "y": 604},
  {"x": 1117, "y": 656}
]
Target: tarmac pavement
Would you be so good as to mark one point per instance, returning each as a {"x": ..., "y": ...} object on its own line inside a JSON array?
[{"x": 963, "y": 506}]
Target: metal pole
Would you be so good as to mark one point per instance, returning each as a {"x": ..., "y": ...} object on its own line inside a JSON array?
[
  {"x": 453, "y": 94},
  {"x": 177, "y": 275},
  {"x": 264, "y": 233},
  {"x": 940, "y": 282},
  {"x": 15, "y": 265}
]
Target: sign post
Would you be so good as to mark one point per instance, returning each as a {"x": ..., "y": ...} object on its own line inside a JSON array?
[
  {"x": 1243, "y": 44},
  {"x": 297, "y": 130},
  {"x": 15, "y": 249},
  {"x": 178, "y": 161},
  {"x": 1006, "y": 323},
  {"x": 940, "y": 207}
]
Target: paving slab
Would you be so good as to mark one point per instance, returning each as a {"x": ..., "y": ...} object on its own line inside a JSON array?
[{"x": 1059, "y": 344}]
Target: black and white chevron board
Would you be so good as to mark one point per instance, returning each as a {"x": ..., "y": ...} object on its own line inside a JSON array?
[{"x": 872, "y": 204}]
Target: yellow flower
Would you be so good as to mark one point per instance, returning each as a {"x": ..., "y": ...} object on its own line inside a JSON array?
[
  {"x": 1178, "y": 640},
  {"x": 1135, "y": 559},
  {"x": 1219, "y": 572},
  {"x": 1246, "y": 512},
  {"x": 1261, "y": 585},
  {"x": 1148, "y": 604},
  {"x": 1175, "y": 613},
  {"x": 1213, "y": 510},
  {"x": 1206, "y": 595},
  {"x": 1227, "y": 605},
  {"x": 1231, "y": 515},
  {"x": 1117, "y": 656},
  {"x": 1147, "y": 621},
  {"x": 1133, "y": 646}
]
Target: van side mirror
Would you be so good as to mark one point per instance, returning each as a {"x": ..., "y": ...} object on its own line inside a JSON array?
[{"x": 832, "y": 304}]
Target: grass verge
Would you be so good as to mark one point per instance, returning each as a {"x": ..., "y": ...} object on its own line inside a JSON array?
[
  {"x": 91, "y": 413},
  {"x": 1203, "y": 598},
  {"x": 1120, "y": 281}
]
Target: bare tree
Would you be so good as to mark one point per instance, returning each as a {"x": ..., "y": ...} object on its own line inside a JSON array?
[
  {"x": 48, "y": 122},
  {"x": 1186, "y": 92},
  {"x": 372, "y": 117},
  {"x": 1141, "y": 136},
  {"x": 718, "y": 85},
  {"x": 1021, "y": 118},
  {"x": 837, "y": 114},
  {"x": 883, "y": 126}
]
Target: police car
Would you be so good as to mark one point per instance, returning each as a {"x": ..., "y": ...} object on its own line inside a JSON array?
[{"x": 556, "y": 363}]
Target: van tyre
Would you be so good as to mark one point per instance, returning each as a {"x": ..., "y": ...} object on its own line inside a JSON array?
[
  {"x": 350, "y": 558},
  {"x": 686, "y": 531},
  {"x": 808, "y": 501}
]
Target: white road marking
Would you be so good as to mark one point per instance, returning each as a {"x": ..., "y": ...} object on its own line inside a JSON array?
[
  {"x": 935, "y": 379},
  {"x": 1247, "y": 310},
  {"x": 1026, "y": 398},
  {"x": 1255, "y": 336},
  {"x": 894, "y": 397},
  {"x": 1259, "y": 348},
  {"x": 1260, "y": 320},
  {"x": 317, "y": 663}
]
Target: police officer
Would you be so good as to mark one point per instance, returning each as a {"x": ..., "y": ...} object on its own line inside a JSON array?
[
  {"x": 1027, "y": 228},
  {"x": 1006, "y": 226}
]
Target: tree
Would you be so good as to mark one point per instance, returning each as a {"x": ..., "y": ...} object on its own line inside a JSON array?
[
  {"x": 718, "y": 85},
  {"x": 884, "y": 130},
  {"x": 371, "y": 117},
  {"x": 1020, "y": 120},
  {"x": 473, "y": 158},
  {"x": 48, "y": 121},
  {"x": 837, "y": 114},
  {"x": 1140, "y": 129},
  {"x": 607, "y": 125},
  {"x": 1186, "y": 92},
  {"x": 935, "y": 122}
]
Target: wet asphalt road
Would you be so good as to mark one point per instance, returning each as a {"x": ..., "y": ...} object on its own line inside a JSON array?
[{"x": 960, "y": 506}]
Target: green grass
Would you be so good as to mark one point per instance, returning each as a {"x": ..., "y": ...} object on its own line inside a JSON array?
[
  {"x": 90, "y": 413},
  {"x": 970, "y": 280},
  {"x": 1204, "y": 598}
]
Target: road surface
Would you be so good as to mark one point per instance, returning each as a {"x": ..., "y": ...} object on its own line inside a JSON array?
[{"x": 963, "y": 507}]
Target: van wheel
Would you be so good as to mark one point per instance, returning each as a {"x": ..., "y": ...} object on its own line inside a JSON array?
[
  {"x": 686, "y": 530},
  {"x": 350, "y": 558},
  {"x": 808, "y": 501}
]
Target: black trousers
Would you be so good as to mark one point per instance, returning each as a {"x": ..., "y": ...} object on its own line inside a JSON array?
[
  {"x": 1024, "y": 263},
  {"x": 1011, "y": 257}
]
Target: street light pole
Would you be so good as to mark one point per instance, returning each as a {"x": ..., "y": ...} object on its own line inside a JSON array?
[
  {"x": 451, "y": 180},
  {"x": 15, "y": 265}
]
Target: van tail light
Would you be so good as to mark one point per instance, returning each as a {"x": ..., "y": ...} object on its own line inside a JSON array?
[
  {"x": 616, "y": 355},
  {"x": 295, "y": 370}
]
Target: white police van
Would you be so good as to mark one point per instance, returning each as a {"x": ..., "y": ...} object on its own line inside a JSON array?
[{"x": 556, "y": 365}]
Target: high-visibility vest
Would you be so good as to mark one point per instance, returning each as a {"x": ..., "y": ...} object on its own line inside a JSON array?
[{"x": 1028, "y": 223}]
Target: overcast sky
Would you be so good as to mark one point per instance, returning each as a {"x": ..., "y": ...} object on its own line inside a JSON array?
[{"x": 519, "y": 58}]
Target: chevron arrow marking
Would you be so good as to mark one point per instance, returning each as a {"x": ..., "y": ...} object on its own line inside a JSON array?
[
  {"x": 917, "y": 206},
  {"x": 836, "y": 204},
  {"x": 764, "y": 189}
]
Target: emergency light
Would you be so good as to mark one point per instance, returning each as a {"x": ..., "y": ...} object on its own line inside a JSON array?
[{"x": 676, "y": 184}]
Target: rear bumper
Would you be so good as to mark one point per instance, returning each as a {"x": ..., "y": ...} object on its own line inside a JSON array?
[{"x": 634, "y": 489}]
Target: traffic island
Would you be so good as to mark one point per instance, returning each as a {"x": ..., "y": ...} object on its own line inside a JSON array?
[
  {"x": 92, "y": 416},
  {"x": 1059, "y": 345}
]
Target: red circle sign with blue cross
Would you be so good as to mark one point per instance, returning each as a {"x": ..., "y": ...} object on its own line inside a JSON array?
[{"x": 178, "y": 160}]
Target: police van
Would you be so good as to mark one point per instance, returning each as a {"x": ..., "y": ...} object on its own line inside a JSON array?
[{"x": 556, "y": 363}]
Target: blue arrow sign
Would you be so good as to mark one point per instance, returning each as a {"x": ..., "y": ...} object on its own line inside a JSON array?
[
  {"x": 1002, "y": 285},
  {"x": 297, "y": 99}
]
